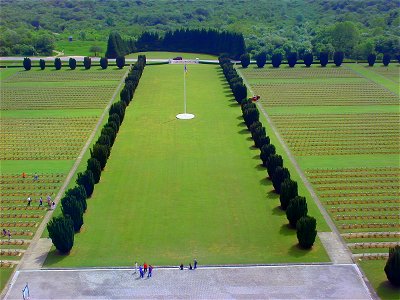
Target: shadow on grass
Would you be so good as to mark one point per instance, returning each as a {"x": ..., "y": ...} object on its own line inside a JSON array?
[
  {"x": 234, "y": 104},
  {"x": 387, "y": 291},
  {"x": 296, "y": 251},
  {"x": 240, "y": 118},
  {"x": 261, "y": 168},
  {"x": 265, "y": 181},
  {"x": 243, "y": 131},
  {"x": 54, "y": 257},
  {"x": 257, "y": 156},
  {"x": 286, "y": 230},
  {"x": 277, "y": 211},
  {"x": 242, "y": 124},
  {"x": 249, "y": 139}
]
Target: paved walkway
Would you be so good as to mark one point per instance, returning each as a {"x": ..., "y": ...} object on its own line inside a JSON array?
[{"x": 261, "y": 282}]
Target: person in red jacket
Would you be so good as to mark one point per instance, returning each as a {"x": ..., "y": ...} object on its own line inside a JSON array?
[{"x": 145, "y": 268}]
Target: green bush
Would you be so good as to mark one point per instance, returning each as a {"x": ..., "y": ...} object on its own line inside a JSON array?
[
  {"x": 274, "y": 161},
  {"x": 27, "y": 63},
  {"x": 296, "y": 209},
  {"x": 306, "y": 231},
  {"x": 42, "y": 64},
  {"x": 245, "y": 60},
  {"x": 103, "y": 63},
  {"x": 120, "y": 61},
  {"x": 119, "y": 109},
  {"x": 80, "y": 194},
  {"x": 288, "y": 192},
  {"x": 72, "y": 63},
  {"x": 392, "y": 268},
  {"x": 110, "y": 132},
  {"x": 115, "y": 118},
  {"x": 266, "y": 151},
  {"x": 73, "y": 208},
  {"x": 94, "y": 165},
  {"x": 87, "y": 181},
  {"x": 87, "y": 62},
  {"x": 101, "y": 153},
  {"x": 279, "y": 175},
  {"x": 61, "y": 232},
  {"x": 57, "y": 63}
]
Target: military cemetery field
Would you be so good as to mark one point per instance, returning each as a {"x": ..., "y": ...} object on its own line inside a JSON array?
[
  {"x": 46, "y": 118},
  {"x": 175, "y": 189},
  {"x": 342, "y": 125}
]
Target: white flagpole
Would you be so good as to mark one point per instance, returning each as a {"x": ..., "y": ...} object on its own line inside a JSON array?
[
  {"x": 185, "y": 115},
  {"x": 184, "y": 89}
]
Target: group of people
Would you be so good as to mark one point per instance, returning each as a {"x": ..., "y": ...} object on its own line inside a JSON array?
[
  {"x": 50, "y": 203},
  {"x": 190, "y": 265},
  {"x": 7, "y": 233},
  {"x": 145, "y": 269}
]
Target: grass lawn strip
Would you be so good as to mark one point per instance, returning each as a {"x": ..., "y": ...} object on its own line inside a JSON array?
[{"x": 193, "y": 191}]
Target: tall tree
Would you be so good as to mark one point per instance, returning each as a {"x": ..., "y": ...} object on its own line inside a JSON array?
[
  {"x": 345, "y": 36},
  {"x": 27, "y": 63},
  {"x": 392, "y": 267},
  {"x": 120, "y": 60},
  {"x": 87, "y": 62},
  {"x": 338, "y": 58},
  {"x": 292, "y": 59},
  {"x": 308, "y": 59},
  {"x": 73, "y": 208},
  {"x": 306, "y": 231},
  {"x": 280, "y": 174},
  {"x": 61, "y": 232},
  {"x": 288, "y": 192},
  {"x": 57, "y": 63},
  {"x": 261, "y": 59},
  {"x": 42, "y": 64},
  {"x": 371, "y": 59},
  {"x": 104, "y": 63},
  {"x": 323, "y": 58},
  {"x": 276, "y": 60},
  {"x": 87, "y": 181},
  {"x": 245, "y": 60},
  {"x": 296, "y": 209},
  {"x": 72, "y": 63},
  {"x": 386, "y": 59}
]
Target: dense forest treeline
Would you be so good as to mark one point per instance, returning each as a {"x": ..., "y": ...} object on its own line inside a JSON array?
[
  {"x": 185, "y": 40},
  {"x": 31, "y": 26}
]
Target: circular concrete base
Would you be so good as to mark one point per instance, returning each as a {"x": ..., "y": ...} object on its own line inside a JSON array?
[{"x": 185, "y": 116}]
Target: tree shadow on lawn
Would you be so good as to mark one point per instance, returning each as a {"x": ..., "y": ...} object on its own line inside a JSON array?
[
  {"x": 243, "y": 131},
  {"x": 260, "y": 168},
  {"x": 297, "y": 251},
  {"x": 386, "y": 288},
  {"x": 234, "y": 104},
  {"x": 241, "y": 124},
  {"x": 54, "y": 257}
]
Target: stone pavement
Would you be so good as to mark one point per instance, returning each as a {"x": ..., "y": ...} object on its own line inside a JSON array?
[{"x": 323, "y": 281}]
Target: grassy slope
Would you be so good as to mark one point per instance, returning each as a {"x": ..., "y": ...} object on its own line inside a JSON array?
[
  {"x": 80, "y": 48},
  {"x": 174, "y": 189}
]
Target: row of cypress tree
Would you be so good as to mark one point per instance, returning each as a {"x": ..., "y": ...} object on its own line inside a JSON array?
[
  {"x": 87, "y": 63},
  {"x": 308, "y": 59},
  {"x": 184, "y": 40},
  {"x": 295, "y": 205},
  {"x": 62, "y": 228}
]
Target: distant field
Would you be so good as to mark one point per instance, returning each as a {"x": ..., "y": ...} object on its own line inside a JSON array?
[
  {"x": 342, "y": 124},
  {"x": 174, "y": 190},
  {"x": 170, "y": 55},
  {"x": 80, "y": 48},
  {"x": 46, "y": 118}
]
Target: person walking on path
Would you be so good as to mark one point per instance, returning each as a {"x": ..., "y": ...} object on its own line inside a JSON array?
[
  {"x": 136, "y": 267},
  {"x": 150, "y": 271},
  {"x": 9, "y": 235},
  {"x": 181, "y": 267},
  {"x": 48, "y": 200},
  {"x": 195, "y": 264},
  {"x": 145, "y": 268},
  {"x": 40, "y": 201},
  {"x": 141, "y": 272},
  {"x": 190, "y": 267},
  {"x": 29, "y": 199}
]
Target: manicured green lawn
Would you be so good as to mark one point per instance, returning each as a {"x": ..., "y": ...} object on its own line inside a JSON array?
[
  {"x": 5, "y": 274},
  {"x": 170, "y": 55},
  {"x": 374, "y": 269},
  {"x": 174, "y": 190}
]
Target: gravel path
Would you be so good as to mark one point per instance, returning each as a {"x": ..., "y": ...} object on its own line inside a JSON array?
[{"x": 254, "y": 282}]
